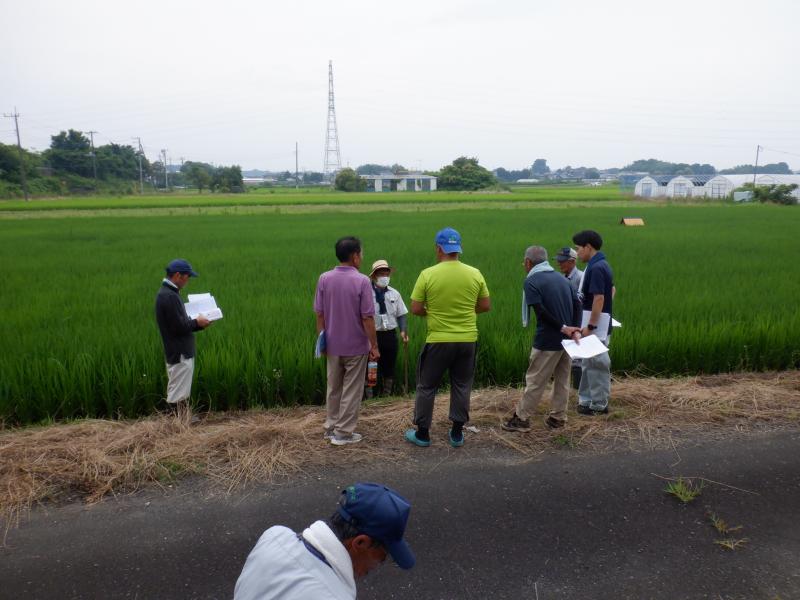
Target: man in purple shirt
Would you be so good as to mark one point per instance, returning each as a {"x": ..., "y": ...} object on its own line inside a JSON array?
[{"x": 345, "y": 308}]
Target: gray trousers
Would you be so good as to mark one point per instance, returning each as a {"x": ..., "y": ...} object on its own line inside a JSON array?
[
  {"x": 595, "y": 387},
  {"x": 345, "y": 388},
  {"x": 459, "y": 359}
]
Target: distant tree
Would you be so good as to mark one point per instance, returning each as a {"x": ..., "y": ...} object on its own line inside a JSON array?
[
  {"x": 347, "y": 180},
  {"x": 285, "y": 176},
  {"x": 157, "y": 174},
  {"x": 775, "y": 194},
  {"x": 780, "y": 168},
  {"x": 465, "y": 174},
  {"x": 10, "y": 163},
  {"x": 313, "y": 177},
  {"x": 227, "y": 180},
  {"x": 117, "y": 161},
  {"x": 509, "y": 176},
  {"x": 704, "y": 169},
  {"x": 70, "y": 152},
  {"x": 660, "y": 167},
  {"x": 197, "y": 177},
  {"x": 502, "y": 174},
  {"x": 540, "y": 167},
  {"x": 373, "y": 169},
  {"x": 396, "y": 168},
  {"x": 591, "y": 173}
]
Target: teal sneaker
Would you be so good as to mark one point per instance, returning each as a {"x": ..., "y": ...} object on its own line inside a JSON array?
[
  {"x": 455, "y": 443},
  {"x": 411, "y": 436}
]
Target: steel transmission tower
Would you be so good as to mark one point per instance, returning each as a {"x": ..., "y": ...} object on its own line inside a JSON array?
[{"x": 333, "y": 158}]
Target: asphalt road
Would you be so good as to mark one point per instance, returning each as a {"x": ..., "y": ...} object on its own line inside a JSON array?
[{"x": 483, "y": 525}]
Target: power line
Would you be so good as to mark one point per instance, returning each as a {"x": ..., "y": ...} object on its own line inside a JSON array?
[{"x": 780, "y": 151}]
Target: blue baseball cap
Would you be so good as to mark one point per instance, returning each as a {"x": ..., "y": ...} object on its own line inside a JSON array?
[
  {"x": 180, "y": 265},
  {"x": 449, "y": 240},
  {"x": 381, "y": 513}
]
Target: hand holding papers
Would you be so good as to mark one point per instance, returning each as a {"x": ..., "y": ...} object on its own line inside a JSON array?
[
  {"x": 203, "y": 304},
  {"x": 588, "y": 347}
]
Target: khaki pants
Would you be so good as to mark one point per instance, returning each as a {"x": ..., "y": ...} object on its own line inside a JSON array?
[
  {"x": 179, "y": 385},
  {"x": 544, "y": 364},
  {"x": 345, "y": 389}
]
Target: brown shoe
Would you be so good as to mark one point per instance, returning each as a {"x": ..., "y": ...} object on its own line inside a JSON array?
[
  {"x": 517, "y": 424},
  {"x": 553, "y": 423}
]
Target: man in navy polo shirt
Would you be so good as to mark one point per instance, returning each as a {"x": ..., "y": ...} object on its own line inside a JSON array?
[{"x": 598, "y": 292}]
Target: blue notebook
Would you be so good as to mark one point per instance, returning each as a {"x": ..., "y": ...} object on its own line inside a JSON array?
[{"x": 319, "y": 347}]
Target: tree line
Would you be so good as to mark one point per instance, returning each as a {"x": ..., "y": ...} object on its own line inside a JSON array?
[{"x": 71, "y": 166}]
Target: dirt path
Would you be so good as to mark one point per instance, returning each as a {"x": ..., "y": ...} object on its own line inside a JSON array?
[
  {"x": 93, "y": 459},
  {"x": 486, "y": 522}
]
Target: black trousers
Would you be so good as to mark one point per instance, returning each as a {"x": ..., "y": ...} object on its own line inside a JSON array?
[
  {"x": 387, "y": 346},
  {"x": 459, "y": 359}
]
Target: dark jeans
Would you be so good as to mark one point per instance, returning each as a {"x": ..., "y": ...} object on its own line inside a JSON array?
[
  {"x": 387, "y": 345},
  {"x": 459, "y": 359}
]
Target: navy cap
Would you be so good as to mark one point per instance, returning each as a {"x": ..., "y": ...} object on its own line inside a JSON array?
[
  {"x": 449, "y": 240},
  {"x": 566, "y": 254},
  {"x": 180, "y": 265},
  {"x": 381, "y": 513}
]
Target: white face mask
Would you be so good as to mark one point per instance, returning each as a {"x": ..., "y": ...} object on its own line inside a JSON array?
[{"x": 382, "y": 282}]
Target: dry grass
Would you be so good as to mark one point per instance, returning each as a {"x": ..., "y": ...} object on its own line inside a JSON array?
[{"x": 94, "y": 458}]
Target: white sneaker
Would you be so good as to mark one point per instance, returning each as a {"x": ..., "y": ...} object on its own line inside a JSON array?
[
  {"x": 328, "y": 434},
  {"x": 350, "y": 439}
]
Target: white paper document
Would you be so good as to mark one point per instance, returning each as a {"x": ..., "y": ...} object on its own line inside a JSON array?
[
  {"x": 615, "y": 323},
  {"x": 602, "y": 324},
  {"x": 589, "y": 347},
  {"x": 203, "y": 304}
]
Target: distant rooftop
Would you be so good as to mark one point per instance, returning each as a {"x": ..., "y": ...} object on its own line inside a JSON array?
[{"x": 409, "y": 175}]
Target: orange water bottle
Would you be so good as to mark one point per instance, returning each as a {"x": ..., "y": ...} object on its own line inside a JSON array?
[{"x": 372, "y": 373}]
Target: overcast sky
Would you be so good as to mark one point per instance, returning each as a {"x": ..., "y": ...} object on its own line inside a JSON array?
[{"x": 419, "y": 83}]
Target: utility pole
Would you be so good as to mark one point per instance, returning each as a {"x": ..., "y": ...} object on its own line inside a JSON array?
[
  {"x": 755, "y": 171},
  {"x": 141, "y": 172},
  {"x": 94, "y": 159},
  {"x": 296, "y": 172},
  {"x": 166, "y": 176},
  {"x": 24, "y": 175}
]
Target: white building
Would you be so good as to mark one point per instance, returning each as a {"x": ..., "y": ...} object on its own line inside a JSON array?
[
  {"x": 723, "y": 186},
  {"x": 687, "y": 186},
  {"x": 651, "y": 187},
  {"x": 400, "y": 182}
]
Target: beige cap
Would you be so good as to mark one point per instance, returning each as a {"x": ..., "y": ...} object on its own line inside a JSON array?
[{"x": 380, "y": 264}]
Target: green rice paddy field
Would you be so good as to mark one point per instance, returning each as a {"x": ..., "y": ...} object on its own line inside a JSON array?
[{"x": 701, "y": 289}]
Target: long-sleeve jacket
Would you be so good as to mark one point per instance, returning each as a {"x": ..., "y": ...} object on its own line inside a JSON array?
[{"x": 177, "y": 329}]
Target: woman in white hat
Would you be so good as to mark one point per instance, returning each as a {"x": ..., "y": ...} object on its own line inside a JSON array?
[{"x": 390, "y": 315}]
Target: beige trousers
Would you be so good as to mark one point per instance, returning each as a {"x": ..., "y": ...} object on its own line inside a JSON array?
[
  {"x": 179, "y": 386},
  {"x": 345, "y": 388},
  {"x": 544, "y": 364}
]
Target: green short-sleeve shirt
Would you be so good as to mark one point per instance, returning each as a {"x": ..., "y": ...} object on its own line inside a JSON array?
[{"x": 450, "y": 291}]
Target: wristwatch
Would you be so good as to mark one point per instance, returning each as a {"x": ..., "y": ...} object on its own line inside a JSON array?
[{"x": 591, "y": 327}]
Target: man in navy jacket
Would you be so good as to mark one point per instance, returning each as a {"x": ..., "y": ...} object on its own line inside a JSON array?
[{"x": 177, "y": 332}]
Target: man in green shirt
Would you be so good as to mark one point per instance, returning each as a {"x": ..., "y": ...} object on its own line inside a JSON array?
[{"x": 449, "y": 295}]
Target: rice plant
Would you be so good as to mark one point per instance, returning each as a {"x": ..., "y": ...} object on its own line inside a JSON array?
[{"x": 700, "y": 290}]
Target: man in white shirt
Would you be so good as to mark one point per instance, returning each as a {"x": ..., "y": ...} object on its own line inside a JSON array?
[{"x": 323, "y": 561}]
